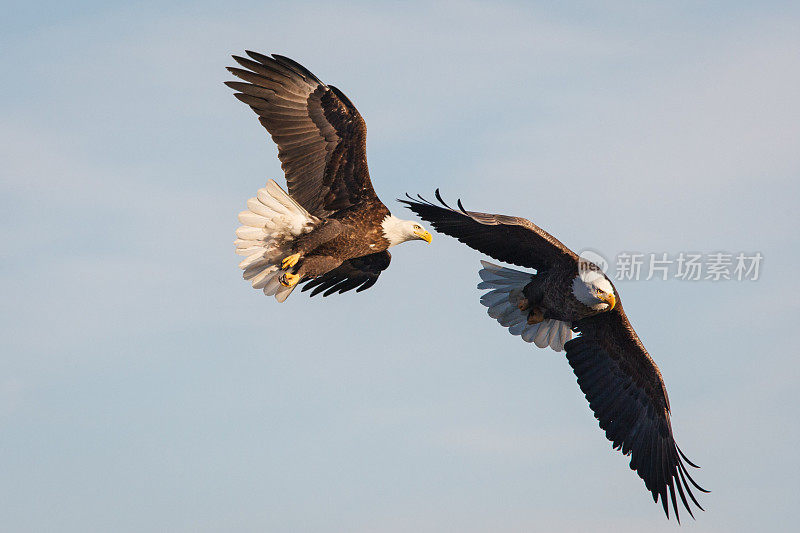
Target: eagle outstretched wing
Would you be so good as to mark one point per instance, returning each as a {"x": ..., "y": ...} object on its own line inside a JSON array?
[
  {"x": 359, "y": 273},
  {"x": 510, "y": 239},
  {"x": 321, "y": 136},
  {"x": 618, "y": 377},
  {"x": 627, "y": 396}
]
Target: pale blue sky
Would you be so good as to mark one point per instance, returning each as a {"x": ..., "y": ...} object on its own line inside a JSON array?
[{"x": 146, "y": 387}]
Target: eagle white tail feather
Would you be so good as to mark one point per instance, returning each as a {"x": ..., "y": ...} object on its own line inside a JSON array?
[
  {"x": 272, "y": 220},
  {"x": 506, "y": 286}
]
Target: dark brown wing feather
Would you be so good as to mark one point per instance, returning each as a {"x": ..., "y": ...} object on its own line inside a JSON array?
[
  {"x": 359, "y": 273},
  {"x": 509, "y": 239},
  {"x": 321, "y": 137},
  {"x": 628, "y": 398}
]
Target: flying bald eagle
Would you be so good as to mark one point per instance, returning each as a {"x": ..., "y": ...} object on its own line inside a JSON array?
[
  {"x": 565, "y": 295},
  {"x": 330, "y": 229}
]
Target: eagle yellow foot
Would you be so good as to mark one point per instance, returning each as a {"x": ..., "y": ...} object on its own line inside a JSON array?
[
  {"x": 289, "y": 280},
  {"x": 290, "y": 261},
  {"x": 535, "y": 316}
]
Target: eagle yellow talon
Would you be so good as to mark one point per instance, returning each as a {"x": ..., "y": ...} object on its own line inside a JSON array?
[
  {"x": 535, "y": 316},
  {"x": 289, "y": 262},
  {"x": 289, "y": 280}
]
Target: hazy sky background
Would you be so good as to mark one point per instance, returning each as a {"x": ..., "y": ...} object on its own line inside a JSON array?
[{"x": 146, "y": 387}]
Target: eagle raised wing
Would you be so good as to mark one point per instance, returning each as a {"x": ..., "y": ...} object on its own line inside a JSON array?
[
  {"x": 359, "y": 273},
  {"x": 627, "y": 396},
  {"x": 511, "y": 239},
  {"x": 321, "y": 136}
]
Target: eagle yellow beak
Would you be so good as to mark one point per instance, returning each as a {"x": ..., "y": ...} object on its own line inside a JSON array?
[
  {"x": 611, "y": 300},
  {"x": 424, "y": 235}
]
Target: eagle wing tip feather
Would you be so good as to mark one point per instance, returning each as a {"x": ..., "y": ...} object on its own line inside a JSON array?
[{"x": 255, "y": 55}]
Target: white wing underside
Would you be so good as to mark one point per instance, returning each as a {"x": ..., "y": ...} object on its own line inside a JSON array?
[
  {"x": 269, "y": 225},
  {"x": 506, "y": 286}
]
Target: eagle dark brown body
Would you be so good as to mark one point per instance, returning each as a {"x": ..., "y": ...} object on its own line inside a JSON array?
[
  {"x": 361, "y": 234},
  {"x": 551, "y": 291}
]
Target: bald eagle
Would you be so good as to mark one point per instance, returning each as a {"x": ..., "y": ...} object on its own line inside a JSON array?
[
  {"x": 330, "y": 229},
  {"x": 567, "y": 294}
]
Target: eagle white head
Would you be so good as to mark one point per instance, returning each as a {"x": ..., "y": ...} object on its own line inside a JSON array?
[
  {"x": 592, "y": 288},
  {"x": 397, "y": 230}
]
